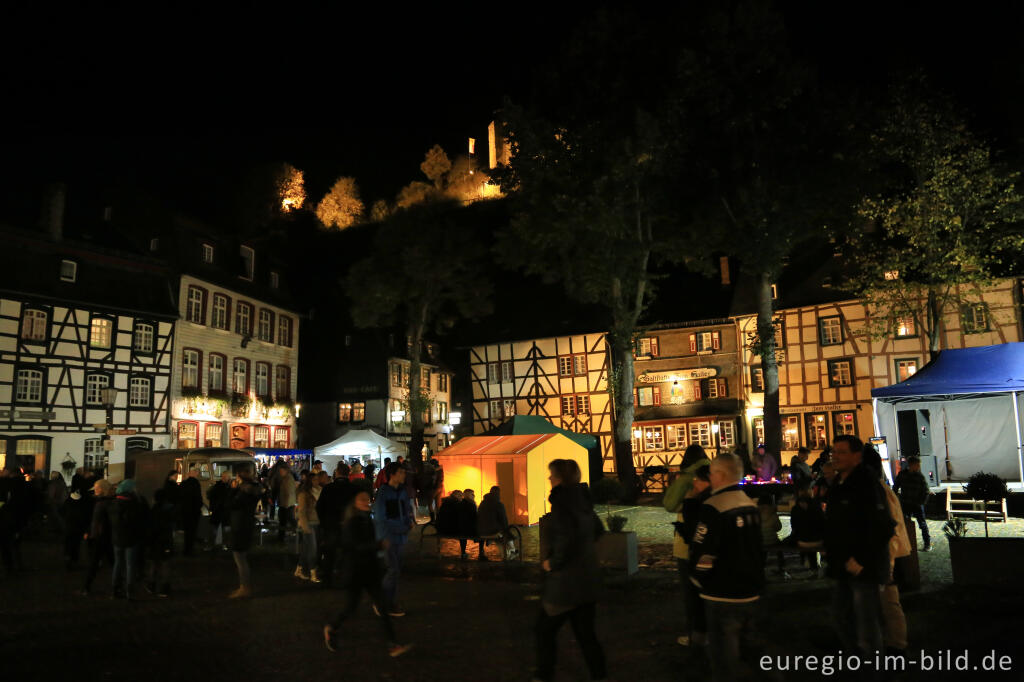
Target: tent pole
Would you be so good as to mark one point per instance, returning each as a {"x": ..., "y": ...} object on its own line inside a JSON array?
[
  {"x": 896, "y": 423},
  {"x": 1016, "y": 428}
]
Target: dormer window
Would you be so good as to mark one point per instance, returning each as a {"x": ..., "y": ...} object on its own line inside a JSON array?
[
  {"x": 248, "y": 259},
  {"x": 68, "y": 271},
  {"x": 207, "y": 253},
  {"x": 275, "y": 280}
]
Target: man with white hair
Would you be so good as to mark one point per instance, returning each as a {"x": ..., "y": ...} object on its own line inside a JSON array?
[{"x": 727, "y": 565}]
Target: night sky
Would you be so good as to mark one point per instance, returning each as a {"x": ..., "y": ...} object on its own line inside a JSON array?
[{"x": 182, "y": 104}]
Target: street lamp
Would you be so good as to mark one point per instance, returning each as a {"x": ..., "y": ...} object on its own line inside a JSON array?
[
  {"x": 718, "y": 442},
  {"x": 108, "y": 396}
]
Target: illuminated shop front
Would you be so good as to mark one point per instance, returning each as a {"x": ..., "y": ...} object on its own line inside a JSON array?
[{"x": 212, "y": 422}]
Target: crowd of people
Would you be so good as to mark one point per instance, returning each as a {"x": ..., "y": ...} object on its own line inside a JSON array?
[{"x": 843, "y": 511}]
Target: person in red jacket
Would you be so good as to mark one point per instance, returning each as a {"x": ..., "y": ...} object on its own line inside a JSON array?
[{"x": 382, "y": 477}]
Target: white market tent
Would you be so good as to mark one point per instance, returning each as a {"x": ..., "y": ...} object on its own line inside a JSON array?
[
  {"x": 972, "y": 402},
  {"x": 364, "y": 445}
]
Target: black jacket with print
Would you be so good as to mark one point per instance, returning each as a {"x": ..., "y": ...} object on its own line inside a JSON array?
[{"x": 726, "y": 561}]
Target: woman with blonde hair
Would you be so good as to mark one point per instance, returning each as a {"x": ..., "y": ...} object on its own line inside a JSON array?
[{"x": 308, "y": 524}]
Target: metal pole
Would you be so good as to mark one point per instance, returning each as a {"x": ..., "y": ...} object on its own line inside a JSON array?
[{"x": 1016, "y": 429}]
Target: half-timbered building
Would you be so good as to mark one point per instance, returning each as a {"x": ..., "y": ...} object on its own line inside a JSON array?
[
  {"x": 828, "y": 362},
  {"x": 687, "y": 390},
  {"x": 75, "y": 321},
  {"x": 564, "y": 379}
]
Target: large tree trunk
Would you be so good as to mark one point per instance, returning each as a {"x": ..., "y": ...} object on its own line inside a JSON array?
[
  {"x": 769, "y": 365},
  {"x": 622, "y": 359},
  {"x": 934, "y": 330},
  {"x": 418, "y": 404}
]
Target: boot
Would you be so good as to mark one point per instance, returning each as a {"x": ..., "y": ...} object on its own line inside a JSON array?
[
  {"x": 243, "y": 592},
  {"x": 312, "y": 576},
  {"x": 299, "y": 574}
]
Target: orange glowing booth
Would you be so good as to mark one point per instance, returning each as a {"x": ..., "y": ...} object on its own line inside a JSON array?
[{"x": 517, "y": 464}]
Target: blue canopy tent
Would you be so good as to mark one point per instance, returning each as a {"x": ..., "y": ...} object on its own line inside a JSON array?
[{"x": 964, "y": 407}]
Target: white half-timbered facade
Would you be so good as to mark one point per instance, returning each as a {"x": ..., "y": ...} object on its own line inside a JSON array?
[
  {"x": 76, "y": 330},
  {"x": 563, "y": 379}
]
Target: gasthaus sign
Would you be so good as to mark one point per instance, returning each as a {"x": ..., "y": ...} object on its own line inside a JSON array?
[{"x": 676, "y": 375}]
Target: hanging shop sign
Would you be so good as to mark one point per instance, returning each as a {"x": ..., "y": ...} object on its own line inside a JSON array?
[{"x": 677, "y": 375}]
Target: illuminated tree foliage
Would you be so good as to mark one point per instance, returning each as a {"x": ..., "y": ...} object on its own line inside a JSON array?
[
  {"x": 945, "y": 224},
  {"x": 460, "y": 180},
  {"x": 341, "y": 207},
  {"x": 291, "y": 190}
]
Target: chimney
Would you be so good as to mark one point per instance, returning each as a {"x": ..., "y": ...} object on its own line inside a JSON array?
[{"x": 53, "y": 210}]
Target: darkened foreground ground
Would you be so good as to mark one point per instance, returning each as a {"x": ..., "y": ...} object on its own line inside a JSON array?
[{"x": 468, "y": 621}]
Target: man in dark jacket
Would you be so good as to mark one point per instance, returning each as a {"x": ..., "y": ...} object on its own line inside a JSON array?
[
  {"x": 217, "y": 496},
  {"x": 467, "y": 523},
  {"x": 727, "y": 565},
  {"x": 98, "y": 537},
  {"x": 912, "y": 488},
  {"x": 161, "y": 544},
  {"x": 330, "y": 508},
  {"x": 191, "y": 509},
  {"x": 857, "y": 531},
  {"x": 491, "y": 517}
]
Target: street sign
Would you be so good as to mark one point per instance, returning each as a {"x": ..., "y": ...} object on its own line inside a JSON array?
[
  {"x": 108, "y": 445},
  {"x": 123, "y": 432}
]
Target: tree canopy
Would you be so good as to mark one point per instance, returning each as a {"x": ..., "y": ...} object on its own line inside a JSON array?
[{"x": 341, "y": 207}]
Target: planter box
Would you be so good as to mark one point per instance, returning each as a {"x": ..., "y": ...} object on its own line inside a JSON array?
[
  {"x": 986, "y": 561},
  {"x": 618, "y": 551}
]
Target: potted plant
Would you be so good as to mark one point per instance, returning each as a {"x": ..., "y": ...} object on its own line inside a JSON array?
[
  {"x": 618, "y": 547},
  {"x": 983, "y": 560}
]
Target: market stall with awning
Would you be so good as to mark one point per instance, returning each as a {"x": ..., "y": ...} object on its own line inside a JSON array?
[
  {"x": 963, "y": 408},
  {"x": 358, "y": 444}
]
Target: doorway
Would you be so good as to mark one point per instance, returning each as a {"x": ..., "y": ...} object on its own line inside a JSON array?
[{"x": 505, "y": 473}]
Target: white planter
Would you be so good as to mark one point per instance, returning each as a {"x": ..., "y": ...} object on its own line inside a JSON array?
[{"x": 618, "y": 551}]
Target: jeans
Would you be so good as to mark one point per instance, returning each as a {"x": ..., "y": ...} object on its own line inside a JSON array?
[
  {"x": 126, "y": 568},
  {"x": 728, "y": 623},
  {"x": 857, "y": 610},
  {"x": 582, "y": 620},
  {"x": 389, "y": 585},
  {"x": 307, "y": 552},
  {"x": 285, "y": 520},
  {"x": 917, "y": 513}
]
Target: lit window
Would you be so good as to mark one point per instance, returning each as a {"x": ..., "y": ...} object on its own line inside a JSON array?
[
  {"x": 726, "y": 434},
  {"x": 33, "y": 324},
  {"x": 344, "y": 412},
  {"x": 830, "y": 330},
  {"x": 261, "y": 436},
  {"x": 213, "y": 435},
  {"x": 194, "y": 306},
  {"x": 492, "y": 373},
  {"x": 207, "y": 253},
  {"x": 675, "y": 436},
  {"x": 499, "y": 372},
  {"x": 705, "y": 341},
  {"x": 248, "y": 258},
  {"x": 775, "y": 292},
  {"x": 94, "y": 385},
  {"x": 572, "y": 365},
  {"x": 358, "y": 412},
  {"x": 187, "y": 434},
  {"x": 139, "y": 392},
  {"x": 892, "y": 275},
  {"x": 68, "y": 271},
  {"x": 396, "y": 374},
  {"x": 790, "y": 433},
  {"x": 284, "y": 331},
  {"x": 509, "y": 407},
  {"x": 583, "y": 404},
  {"x": 647, "y": 347},
  {"x": 568, "y": 405},
  {"x": 29, "y": 387},
  {"x": 142, "y": 338},
  {"x": 265, "y": 326},
  {"x": 757, "y": 379},
  {"x": 281, "y": 439},
  {"x": 648, "y": 396},
  {"x": 215, "y": 380},
  {"x": 840, "y": 373},
  {"x": 442, "y": 411},
  {"x": 845, "y": 424},
  {"x": 906, "y": 368},
  {"x": 282, "y": 382},
  {"x": 219, "y": 315},
  {"x": 190, "y": 369},
  {"x": 100, "y": 332},
  {"x": 654, "y": 438},
  {"x": 506, "y": 371},
  {"x": 425, "y": 378},
  {"x": 758, "y": 427},
  {"x": 817, "y": 432},
  {"x": 442, "y": 382},
  {"x": 700, "y": 433},
  {"x": 243, "y": 319},
  {"x": 240, "y": 376},
  {"x": 262, "y": 379},
  {"x": 905, "y": 326}
]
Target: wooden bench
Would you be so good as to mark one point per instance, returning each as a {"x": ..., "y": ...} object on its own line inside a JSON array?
[
  {"x": 965, "y": 506},
  {"x": 514, "y": 534}
]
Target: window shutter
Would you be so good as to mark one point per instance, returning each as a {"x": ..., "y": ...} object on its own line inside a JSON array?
[
  {"x": 721, "y": 388},
  {"x": 693, "y": 343},
  {"x": 636, "y": 398},
  {"x": 205, "y": 296},
  {"x": 714, "y": 340},
  {"x": 697, "y": 389},
  {"x": 657, "y": 395},
  {"x": 654, "y": 346}
]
